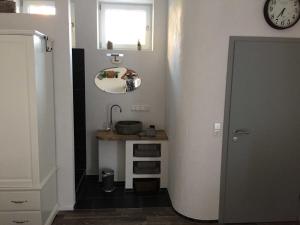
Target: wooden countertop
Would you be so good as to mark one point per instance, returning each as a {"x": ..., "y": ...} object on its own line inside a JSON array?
[{"x": 113, "y": 136}]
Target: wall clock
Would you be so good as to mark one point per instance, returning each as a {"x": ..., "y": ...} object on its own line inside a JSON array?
[{"x": 282, "y": 14}]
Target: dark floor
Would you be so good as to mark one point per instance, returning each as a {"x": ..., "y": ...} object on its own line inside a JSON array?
[
  {"x": 141, "y": 216},
  {"x": 91, "y": 196},
  {"x": 95, "y": 207}
]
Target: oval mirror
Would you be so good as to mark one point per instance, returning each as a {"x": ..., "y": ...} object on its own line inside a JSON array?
[{"x": 117, "y": 80}]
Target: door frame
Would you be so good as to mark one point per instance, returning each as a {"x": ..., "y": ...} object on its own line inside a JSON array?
[{"x": 228, "y": 94}]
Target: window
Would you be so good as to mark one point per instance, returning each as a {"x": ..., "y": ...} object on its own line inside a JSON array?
[
  {"x": 125, "y": 24},
  {"x": 39, "y": 7}
]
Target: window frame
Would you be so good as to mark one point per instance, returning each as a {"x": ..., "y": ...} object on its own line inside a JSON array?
[
  {"x": 26, "y": 4},
  {"x": 147, "y": 7}
]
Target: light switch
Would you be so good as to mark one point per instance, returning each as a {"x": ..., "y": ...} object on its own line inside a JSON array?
[
  {"x": 217, "y": 126},
  {"x": 217, "y": 129}
]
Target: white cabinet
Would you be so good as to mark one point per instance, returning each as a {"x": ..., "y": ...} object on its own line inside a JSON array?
[
  {"x": 19, "y": 200},
  {"x": 146, "y": 159},
  {"x": 27, "y": 218},
  {"x": 27, "y": 130}
]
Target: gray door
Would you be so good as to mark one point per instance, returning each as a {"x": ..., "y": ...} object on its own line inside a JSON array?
[{"x": 261, "y": 151}]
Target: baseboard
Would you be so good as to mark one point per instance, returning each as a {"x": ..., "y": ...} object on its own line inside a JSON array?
[
  {"x": 66, "y": 208},
  {"x": 195, "y": 220},
  {"x": 52, "y": 215}
]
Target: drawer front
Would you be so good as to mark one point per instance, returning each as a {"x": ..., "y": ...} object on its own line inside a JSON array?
[
  {"x": 147, "y": 150},
  {"x": 20, "y": 218},
  {"x": 146, "y": 184},
  {"x": 19, "y": 201},
  {"x": 146, "y": 167}
]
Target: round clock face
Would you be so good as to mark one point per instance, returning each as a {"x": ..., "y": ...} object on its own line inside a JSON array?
[{"x": 282, "y": 14}]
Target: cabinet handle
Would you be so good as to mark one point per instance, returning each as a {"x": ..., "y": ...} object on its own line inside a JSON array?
[
  {"x": 20, "y": 222},
  {"x": 19, "y": 202}
]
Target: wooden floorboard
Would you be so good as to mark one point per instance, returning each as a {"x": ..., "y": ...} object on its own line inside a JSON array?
[{"x": 130, "y": 216}]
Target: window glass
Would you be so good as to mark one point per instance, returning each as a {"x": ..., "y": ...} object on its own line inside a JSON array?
[
  {"x": 39, "y": 7},
  {"x": 125, "y": 25}
]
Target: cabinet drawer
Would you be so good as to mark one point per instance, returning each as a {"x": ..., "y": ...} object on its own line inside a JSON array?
[
  {"x": 20, "y": 218},
  {"x": 146, "y": 184},
  {"x": 147, "y": 150},
  {"x": 19, "y": 200},
  {"x": 146, "y": 167}
]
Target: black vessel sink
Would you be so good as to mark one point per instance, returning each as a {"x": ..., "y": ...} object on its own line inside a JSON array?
[{"x": 129, "y": 127}]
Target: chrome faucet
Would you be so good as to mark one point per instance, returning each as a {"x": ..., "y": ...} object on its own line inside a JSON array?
[{"x": 111, "y": 119}]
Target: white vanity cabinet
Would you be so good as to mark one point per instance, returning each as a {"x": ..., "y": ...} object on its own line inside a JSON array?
[
  {"x": 145, "y": 157},
  {"x": 152, "y": 158},
  {"x": 27, "y": 130}
]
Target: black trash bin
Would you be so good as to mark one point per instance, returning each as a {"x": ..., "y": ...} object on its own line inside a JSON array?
[{"x": 108, "y": 180}]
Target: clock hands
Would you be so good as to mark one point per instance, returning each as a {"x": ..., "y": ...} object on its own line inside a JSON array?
[{"x": 281, "y": 13}]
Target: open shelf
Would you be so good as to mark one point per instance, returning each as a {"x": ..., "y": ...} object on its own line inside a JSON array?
[{"x": 146, "y": 160}]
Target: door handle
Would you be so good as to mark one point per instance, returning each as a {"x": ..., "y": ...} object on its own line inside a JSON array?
[
  {"x": 241, "y": 132},
  {"x": 19, "y": 202},
  {"x": 20, "y": 222}
]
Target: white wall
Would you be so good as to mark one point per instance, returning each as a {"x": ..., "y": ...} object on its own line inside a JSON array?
[
  {"x": 151, "y": 67},
  {"x": 64, "y": 105},
  {"x": 199, "y": 32},
  {"x": 27, "y": 22},
  {"x": 57, "y": 27},
  {"x": 17, "y": 5}
]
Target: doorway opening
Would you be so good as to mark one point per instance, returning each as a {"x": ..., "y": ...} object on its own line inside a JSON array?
[{"x": 90, "y": 192}]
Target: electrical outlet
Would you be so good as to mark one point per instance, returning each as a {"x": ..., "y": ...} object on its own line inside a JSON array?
[{"x": 140, "y": 108}]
